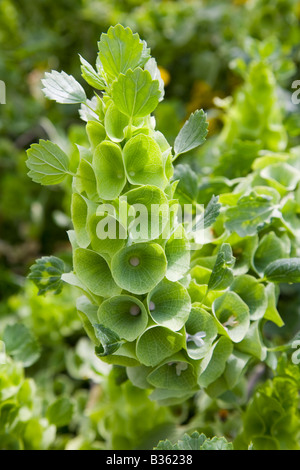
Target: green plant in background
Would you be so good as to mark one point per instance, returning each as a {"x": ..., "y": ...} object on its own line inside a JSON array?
[
  {"x": 271, "y": 420},
  {"x": 176, "y": 325},
  {"x": 22, "y": 426}
]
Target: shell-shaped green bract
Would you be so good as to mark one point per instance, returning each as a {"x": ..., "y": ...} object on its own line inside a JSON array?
[
  {"x": 139, "y": 268},
  {"x": 96, "y": 133},
  {"x": 124, "y": 314},
  {"x": 109, "y": 170},
  {"x": 156, "y": 344},
  {"x": 115, "y": 123},
  {"x": 169, "y": 304},
  {"x": 99, "y": 228},
  {"x": 201, "y": 330},
  {"x": 178, "y": 254},
  {"x": 151, "y": 207},
  {"x": 93, "y": 271},
  {"x": 176, "y": 374},
  {"x": 232, "y": 315},
  {"x": 144, "y": 162},
  {"x": 79, "y": 212}
]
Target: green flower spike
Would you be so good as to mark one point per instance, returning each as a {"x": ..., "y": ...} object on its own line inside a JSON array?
[{"x": 179, "y": 321}]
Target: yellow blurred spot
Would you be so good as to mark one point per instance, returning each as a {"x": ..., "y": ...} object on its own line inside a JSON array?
[
  {"x": 165, "y": 75},
  {"x": 239, "y": 2},
  {"x": 202, "y": 96}
]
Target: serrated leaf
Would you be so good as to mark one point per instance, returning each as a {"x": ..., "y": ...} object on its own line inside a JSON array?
[
  {"x": 63, "y": 88},
  {"x": 135, "y": 93},
  {"x": 110, "y": 341},
  {"x": 187, "y": 187},
  {"x": 212, "y": 211},
  {"x": 196, "y": 441},
  {"x": 154, "y": 71},
  {"x": 91, "y": 76},
  {"x": 46, "y": 274},
  {"x": 119, "y": 50},
  {"x": 47, "y": 163},
  {"x": 250, "y": 213},
  {"x": 21, "y": 344},
  {"x": 222, "y": 275},
  {"x": 192, "y": 134}
]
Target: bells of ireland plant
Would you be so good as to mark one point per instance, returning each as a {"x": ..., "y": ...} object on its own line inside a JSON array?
[{"x": 174, "y": 324}]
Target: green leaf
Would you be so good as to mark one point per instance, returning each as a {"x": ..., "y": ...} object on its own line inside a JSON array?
[
  {"x": 156, "y": 344},
  {"x": 282, "y": 176},
  {"x": 272, "y": 313},
  {"x": 210, "y": 214},
  {"x": 63, "y": 88},
  {"x": 119, "y": 50},
  {"x": 187, "y": 188},
  {"x": 192, "y": 134},
  {"x": 60, "y": 412},
  {"x": 222, "y": 276},
  {"x": 21, "y": 344},
  {"x": 93, "y": 271},
  {"x": 154, "y": 71},
  {"x": 196, "y": 442},
  {"x": 139, "y": 268},
  {"x": 136, "y": 94},
  {"x": 284, "y": 270},
  {"x": 109, "y": 168},
  {"x": 169, "y": 304},
  {"x": 144, "y": 162},
  {"x": 125, "y": 314},
  {"x": 47, "y": 163},
  {"x": 91, "y": 76},
  {"x": 46, "y": 274},
  {"x": 110, "y": 341},
  {"x": 217, "y": 443},
  {"x": 250, "y": 213}
]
